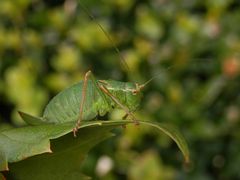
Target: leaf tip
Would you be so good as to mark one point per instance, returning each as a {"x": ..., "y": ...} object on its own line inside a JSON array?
[
  {"x": 187, "y": 160},
  {"x": 187, "y": 165}
]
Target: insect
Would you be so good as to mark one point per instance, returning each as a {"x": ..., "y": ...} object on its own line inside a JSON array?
[{"x": 88, "y": 98}]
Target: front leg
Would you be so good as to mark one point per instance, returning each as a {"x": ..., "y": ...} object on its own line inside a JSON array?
[
  {"x": 125, "y": 108},
  {"x": 88, "y": 75}
]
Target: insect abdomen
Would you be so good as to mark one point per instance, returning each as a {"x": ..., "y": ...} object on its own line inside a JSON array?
[{"x": 65, "y": 106}]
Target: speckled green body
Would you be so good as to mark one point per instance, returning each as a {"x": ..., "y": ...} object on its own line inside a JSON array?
[{"x": 65, "y": 106}]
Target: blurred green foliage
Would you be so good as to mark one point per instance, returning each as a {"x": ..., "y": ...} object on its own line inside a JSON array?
[{"x": 46, "y": 46}]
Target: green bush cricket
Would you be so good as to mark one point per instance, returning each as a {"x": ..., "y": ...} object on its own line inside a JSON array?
[{"x": 94, "y": 97}]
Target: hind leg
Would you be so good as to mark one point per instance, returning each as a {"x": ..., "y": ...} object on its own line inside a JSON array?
[{"x": 88, "y": 75}]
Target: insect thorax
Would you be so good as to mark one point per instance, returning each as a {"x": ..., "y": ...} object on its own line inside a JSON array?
[{"x": 124, "y": 92}]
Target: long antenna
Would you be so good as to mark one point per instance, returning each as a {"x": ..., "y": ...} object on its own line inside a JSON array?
[
  {"x": 148, "y": 81},
  {"x": 86, "y": 10}
]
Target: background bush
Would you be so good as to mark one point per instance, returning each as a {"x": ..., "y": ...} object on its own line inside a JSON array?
[{"x": 46, "y": 46}]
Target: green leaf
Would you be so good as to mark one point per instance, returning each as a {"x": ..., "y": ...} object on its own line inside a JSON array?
[
  {"x": 20, "y": 143},
  {"x": 68, "y": 153},
  {"x": 65, "y": 161}
]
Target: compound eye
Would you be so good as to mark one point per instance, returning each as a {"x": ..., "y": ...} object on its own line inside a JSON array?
[{"x": 134, "y": 92}]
